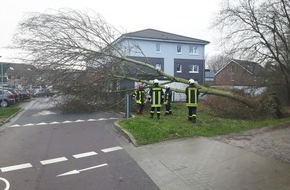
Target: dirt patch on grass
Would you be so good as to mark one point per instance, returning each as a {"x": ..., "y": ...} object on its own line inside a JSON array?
[{"x": 273, "y": 142}]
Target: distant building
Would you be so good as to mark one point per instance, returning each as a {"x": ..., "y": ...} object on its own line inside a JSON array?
[
  {"x": 240, "y": 73},
  {"x": 209, "y": 77}
]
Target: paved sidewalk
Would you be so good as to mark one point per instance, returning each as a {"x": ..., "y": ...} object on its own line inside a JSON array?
[{"x": 204, "y": 164}]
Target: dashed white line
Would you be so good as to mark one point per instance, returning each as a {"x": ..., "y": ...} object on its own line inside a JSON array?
[
  {"x": 15, "y": 167},
  {"x": 67, "y": 122},
  {"x": 15, "y": 125},
  {"x": 78, "y": 121},
  {"x": 101, "y": 119},
  {"x": 41, "y": 123},
  {"x": 111, "y": 149},
  {"x": 29, "y": 124},
  {"x": 86, "y": 154},
  {"x": 92, "y": 120},
  {"x": 54, "y": 160},
  {"x": 55, "y": 122}
]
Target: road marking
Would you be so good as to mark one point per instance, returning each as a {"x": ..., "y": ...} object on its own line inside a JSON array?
[
  {"x": 55, "y": 122},
  {"x": 16, "y": 167},
  {"x": 79, "y": 171},
  {"x": 41, "y": 123},
  {"x": 78, "y": 121},
  {"x": 6, "y": 182},
  {"x": 15, "y": 125},
  {"x": 29, "y": 124},
  {"x": 101, "y": 119},
  {"x": 54, "y": 160},
  {"x": 92, "y": 120},
  {"x": 86, "y": 154},
  {"x": 67, "y": 122},
  {"x": 111, "y": 149}
]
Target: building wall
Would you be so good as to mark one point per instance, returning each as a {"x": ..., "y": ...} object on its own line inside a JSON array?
[
  {"x": 235, "y": 75},
  {"x": 168, "y": 52}
]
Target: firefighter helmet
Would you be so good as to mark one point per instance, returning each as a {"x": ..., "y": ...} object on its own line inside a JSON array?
[
  {"x": 156, "y": 81},
  {"x": 191, "y": 81},
  {"x": 166, "y": 86}
]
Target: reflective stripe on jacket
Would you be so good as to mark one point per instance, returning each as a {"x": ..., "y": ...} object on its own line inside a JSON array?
[
  {"x": 191, "y": 96},
  {"x": 156, "y": 94}
]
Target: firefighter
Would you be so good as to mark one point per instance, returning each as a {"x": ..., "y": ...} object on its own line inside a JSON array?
[
  {"x": 167, "y": 100},
  {"x": 140, "y": 98},
  {"x": 191, "y": 93},
  {"x": 156, "y": 98}
]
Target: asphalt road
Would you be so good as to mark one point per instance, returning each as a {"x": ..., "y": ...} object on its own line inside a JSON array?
[{"x": 43, "y": 149}]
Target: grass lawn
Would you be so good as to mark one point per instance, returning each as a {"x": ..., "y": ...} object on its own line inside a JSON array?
[
  {"x": 7, "y": 112},
  {"x": 148, "y": 131}
]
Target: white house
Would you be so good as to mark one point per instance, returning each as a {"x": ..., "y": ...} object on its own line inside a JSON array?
[{"x": 177, "y": 55}]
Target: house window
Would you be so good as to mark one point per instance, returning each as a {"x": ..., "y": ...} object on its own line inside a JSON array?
[
  {"x": 158, "y": 66},
  {"x": 158, "y": 47},
  {"x": 193, "y": 50},
  {"x": 179, "y": 49},
  {"x": 179, "y": 68},
  {"x": 193, "y": 69}
]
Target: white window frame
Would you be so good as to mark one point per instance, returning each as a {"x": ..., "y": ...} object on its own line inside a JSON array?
[
  {"x": 193, "y": 68},
  {"x": 179, "y": 49},
  {"x": 193, "y": 50},
  {"x": 158, "y": 47},
  {"x": 179, "y": 68},
  {"x": 158, "y": 66}
]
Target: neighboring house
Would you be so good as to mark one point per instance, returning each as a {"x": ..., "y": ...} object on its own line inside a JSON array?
[{"x": 242, "y": 75}]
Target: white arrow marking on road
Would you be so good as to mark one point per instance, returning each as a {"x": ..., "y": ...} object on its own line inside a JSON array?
[
  {"x": 6, "y": 182},
  {"x": 79, "y": 171}
]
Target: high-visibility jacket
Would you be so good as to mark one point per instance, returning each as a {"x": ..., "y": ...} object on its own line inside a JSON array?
[
  {"x": 191, "y": 93},
  {"x": 140, "y": 96},
  {"x": 167, "y": 96},
  {"x": 156, "y": 94}
]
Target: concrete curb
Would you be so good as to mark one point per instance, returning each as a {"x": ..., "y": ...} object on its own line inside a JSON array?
[{"x": 126, "y": 134}]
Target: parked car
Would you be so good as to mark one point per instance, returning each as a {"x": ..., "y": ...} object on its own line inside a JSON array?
[
  {"x": 15, "y": 94},
  {"x": 25, "y": 94},
  {"x": 6, "y": 98}
]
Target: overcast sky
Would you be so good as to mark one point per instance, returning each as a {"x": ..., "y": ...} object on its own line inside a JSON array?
[{"x": 191, "y": 18}]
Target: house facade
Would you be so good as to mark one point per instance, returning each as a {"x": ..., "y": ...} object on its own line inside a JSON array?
[
  {"x": 176, "y": 55},
  {"x": 242, "y": 75}
]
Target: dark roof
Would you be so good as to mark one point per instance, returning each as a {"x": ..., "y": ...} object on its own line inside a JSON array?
[
  {"x": 252, "y": 67},
  {"x": 160, "y": 35}
]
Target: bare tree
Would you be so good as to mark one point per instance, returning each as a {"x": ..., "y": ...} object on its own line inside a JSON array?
[
  {"x": 217, "y": 62},
  {"x": 78, "y": 54},
  {"x": 258, "y": 30}
]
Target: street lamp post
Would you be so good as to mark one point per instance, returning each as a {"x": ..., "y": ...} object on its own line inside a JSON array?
[{"x": 2, "y": 78}]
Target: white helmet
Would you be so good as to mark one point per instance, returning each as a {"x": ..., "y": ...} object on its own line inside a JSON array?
[
  {"x": 156, "y": 81},
  {"x": 166, "y": 86},
  {"x": 191, "y": 81}
]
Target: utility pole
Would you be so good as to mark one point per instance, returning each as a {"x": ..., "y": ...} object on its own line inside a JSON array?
[{"x": 2, "y": 78}]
